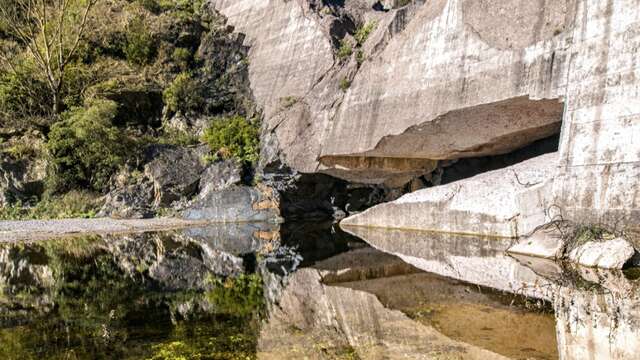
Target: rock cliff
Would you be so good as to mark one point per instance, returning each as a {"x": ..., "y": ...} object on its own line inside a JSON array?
[{"x": 378, "y": 93}]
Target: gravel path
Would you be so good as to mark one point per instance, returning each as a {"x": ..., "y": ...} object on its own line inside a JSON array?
[{"x": 42, "y": 229}]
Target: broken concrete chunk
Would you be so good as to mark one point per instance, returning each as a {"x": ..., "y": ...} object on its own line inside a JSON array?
[
  {"x": 611, "y": 254},
  {"x": 546, "y": 244},
  {"x": 508, "y": 202}
]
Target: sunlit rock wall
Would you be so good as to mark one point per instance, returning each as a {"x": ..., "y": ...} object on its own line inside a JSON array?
[
  {"x": 600, "y": 146},
  {"x": 449, "y": 79}
]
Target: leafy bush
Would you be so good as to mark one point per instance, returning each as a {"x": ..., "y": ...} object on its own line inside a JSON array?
[
  {"x": 345, "y": 84},
  {"x": 184, "y": 8},
  {"x": 362, "y": 34},
  {"x": 22, "y": 93},
  {"x": 182, "y": 57},
  {"x": 345, "y": 49},
  {"x": 85, "y": 148},
  {"x": 140, "y": 47},
  {"x": 360, "y": 57},
  {"x": 234, "y": 137},
  {"x": 150, "y": 5},
  {"x": 183, "y": 95}
]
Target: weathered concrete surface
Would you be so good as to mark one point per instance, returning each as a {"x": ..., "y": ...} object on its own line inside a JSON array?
[
  {"x": 509, "y": 202},
  {"x": 449, "y": 79},
  {"x": 599, "y": 151},
  {"x": 610, "y": 254}
]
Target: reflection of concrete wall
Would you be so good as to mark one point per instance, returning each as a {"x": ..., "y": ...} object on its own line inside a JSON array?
[
  {"x": 472, "y": 259},
  {"x": 603, "y": 323}
]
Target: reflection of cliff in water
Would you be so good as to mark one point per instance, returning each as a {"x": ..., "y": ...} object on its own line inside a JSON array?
[
  {"x": 127, "y": 296},
  {"x": 597, "y": 312},
  {"x": 257, "y": 291}
]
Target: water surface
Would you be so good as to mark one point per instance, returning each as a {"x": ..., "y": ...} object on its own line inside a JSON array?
[{"x": 304, "y": 291}]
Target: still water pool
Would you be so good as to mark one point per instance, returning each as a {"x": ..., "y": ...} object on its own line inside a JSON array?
[{"x": 304, "y": 291}]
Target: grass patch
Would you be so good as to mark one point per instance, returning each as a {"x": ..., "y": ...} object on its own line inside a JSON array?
[
  {"x": 345, "y": 50},
  {"x": 74, "y": 204},
  {"x": 345, "y": 84}
]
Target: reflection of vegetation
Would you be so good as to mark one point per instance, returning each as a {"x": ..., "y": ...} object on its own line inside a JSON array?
[
  {"x": 224, "y": 340},
  {"x": 92, "y": 308},
  {"x": 241, "y": 296}
]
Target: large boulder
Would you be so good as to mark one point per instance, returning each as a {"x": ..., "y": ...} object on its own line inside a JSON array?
[
  {"x": 175, "y": 172},
  {"x": 389, "y": 111},
  {"x": 236, "y": 204},
  {"x": 21, "y": 180},
  {"x": 509, "y": 202}
]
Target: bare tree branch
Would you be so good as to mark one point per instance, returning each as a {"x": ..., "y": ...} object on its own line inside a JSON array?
[{"x": 45, "y": 28}]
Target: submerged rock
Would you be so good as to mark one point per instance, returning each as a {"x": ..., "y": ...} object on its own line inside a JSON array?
[{"x": 610, "y": 254}]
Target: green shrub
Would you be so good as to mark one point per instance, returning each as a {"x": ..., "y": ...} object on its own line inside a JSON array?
[
  {"x": 182, "y": 57},
  {"x": 22, "y": 93},
  {"x": 85, "y": 148},
  {"x": 140, "y": 46},
  {"x": 150, "y": 5},
  {"x": 345, "y": 49},
  {"x": 183, "y": 8},
  {"x": 234, "y": 137},
  {"x": 360, "y": 57},
  {"x": 362, "y": 34},
  {"x": 183, "y": 95},
  {"x": 345, "y": 84}
]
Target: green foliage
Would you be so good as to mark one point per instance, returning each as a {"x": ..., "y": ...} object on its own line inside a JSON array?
[
  {"x": 140, "y": 48},
  {"x": 182, "y": 57},
  {"x": 176, "y": 137},
  {"x": 345, "y": 49},
  {"x": 22, "y": 93},
  {"x": 85, "y": 148},
  {"x": 345, "y": 84},
  {"x": 150, "y": 5},
  {"x": 74, "y": 204},
  {"x": 362, "y": 34},
  {"x": 182, "y": 8},
  {"x": 234, "y": 137},
  {"x": 240, "y": 296},
  {"x": 360, "y": 58},
  {"x": 183, "y": 94}
]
